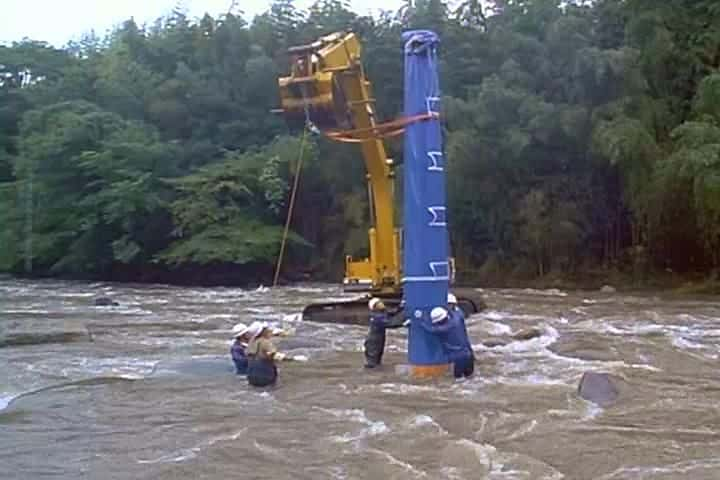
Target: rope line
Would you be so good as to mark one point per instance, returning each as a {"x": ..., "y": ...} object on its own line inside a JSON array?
[{"x": 291, "y": 206}]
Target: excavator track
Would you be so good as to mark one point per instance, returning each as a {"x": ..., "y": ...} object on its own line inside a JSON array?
[{"x": 355, "y": 311}]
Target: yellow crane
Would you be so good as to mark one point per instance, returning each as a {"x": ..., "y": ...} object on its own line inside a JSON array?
[{"x": 328, "y": 87}]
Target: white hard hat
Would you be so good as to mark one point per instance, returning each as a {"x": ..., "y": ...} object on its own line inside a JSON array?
[
  {"x": 239, "y": 330},
  {"x": 373, "y": 302},
  {"x": 451, "y": 298},
  {"x": 438, "y": 314},
  {"x": 256, "y": 328}
]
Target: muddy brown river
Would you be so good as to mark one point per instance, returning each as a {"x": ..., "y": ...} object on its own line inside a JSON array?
[{"x": 146, "y": 390}]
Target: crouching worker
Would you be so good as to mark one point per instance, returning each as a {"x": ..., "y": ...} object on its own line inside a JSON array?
[
  {"x": 239, "y": 345},
  {"x": 380, "y": 320},
  {"x": 454, "y": 339}
]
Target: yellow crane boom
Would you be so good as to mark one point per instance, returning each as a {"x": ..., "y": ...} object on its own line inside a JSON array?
[{"x": 327, "y": 85}]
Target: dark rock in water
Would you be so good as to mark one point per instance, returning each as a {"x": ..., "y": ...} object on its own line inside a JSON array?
[
  {"x": 528, "y": 334},
  {"x": 36, "y": 331},
  {"x": 521, "y": 336},
  {"x": 105, "y": 302},
  {"x": 495, "y": 342},
  {"x": 589, "y": 346},
  {"x": 598, "y": 388}
]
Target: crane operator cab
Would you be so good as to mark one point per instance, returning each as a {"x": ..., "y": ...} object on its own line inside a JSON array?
[{"x": 312, "y": 92}]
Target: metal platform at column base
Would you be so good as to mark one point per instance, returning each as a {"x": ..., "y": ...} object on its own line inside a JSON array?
[{"x": 424, "y": 372}]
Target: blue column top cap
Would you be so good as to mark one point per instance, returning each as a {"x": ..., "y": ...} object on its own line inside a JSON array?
[{"x": 419, "y": 41}]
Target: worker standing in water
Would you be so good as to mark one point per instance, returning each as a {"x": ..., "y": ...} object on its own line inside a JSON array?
[
  {"x": 241, "y": 336},
  {"x": 453, "y": 335},
  {"x": 380, "y": 320},
  {"x": 262, "y": 355},
  {"x": 238, "y": 347},
  {"x": 460, "y": 315}
]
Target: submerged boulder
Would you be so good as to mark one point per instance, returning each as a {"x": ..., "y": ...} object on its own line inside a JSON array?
[
  {"x": 105, "y": 302},
  {"x": 36, "y": 331},
  {"x": 496, "y": 342},
  {"x": 528, "y": 333},
  {"x": 598, "y": 388},
  {"x": 523, "y": 335}
]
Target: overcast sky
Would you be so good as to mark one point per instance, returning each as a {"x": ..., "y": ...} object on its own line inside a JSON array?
[{"x": 58, "y": 21}]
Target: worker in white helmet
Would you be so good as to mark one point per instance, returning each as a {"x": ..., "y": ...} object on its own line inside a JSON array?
[
  {"x": 469, "y": 366},
  {"x": 452, "y": 301},
  {"x": 380, "y": 320},
  {"x": 450, "y": 328},
  {"x": 240, "y": 338},
  {"x": 456, "y": 310},
  {"x": 262, "y": 356}
]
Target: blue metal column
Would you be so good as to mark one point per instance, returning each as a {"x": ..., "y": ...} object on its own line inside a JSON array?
[{"x": 425, "y": 253}]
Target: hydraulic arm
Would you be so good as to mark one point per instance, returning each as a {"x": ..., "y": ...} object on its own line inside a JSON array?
[{"x": 327, "y": 86}]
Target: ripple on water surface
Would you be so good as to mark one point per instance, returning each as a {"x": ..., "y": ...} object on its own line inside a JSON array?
[{"x": 153, "y": 394}]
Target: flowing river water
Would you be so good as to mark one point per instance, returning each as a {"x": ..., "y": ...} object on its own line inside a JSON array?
[{"x": 150, "y": 392}]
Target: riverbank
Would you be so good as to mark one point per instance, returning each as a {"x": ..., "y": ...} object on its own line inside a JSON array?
[
  {"x": 220, "y": 275},
  {"x": 597, "y": 279},
  {"x": 256, "y": 275}
]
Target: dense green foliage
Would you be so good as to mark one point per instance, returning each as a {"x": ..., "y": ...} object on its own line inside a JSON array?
[{"x": 580, "y": 134}]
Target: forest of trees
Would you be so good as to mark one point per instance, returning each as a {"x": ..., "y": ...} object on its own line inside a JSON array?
[{"x": 581, "y": 136}]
